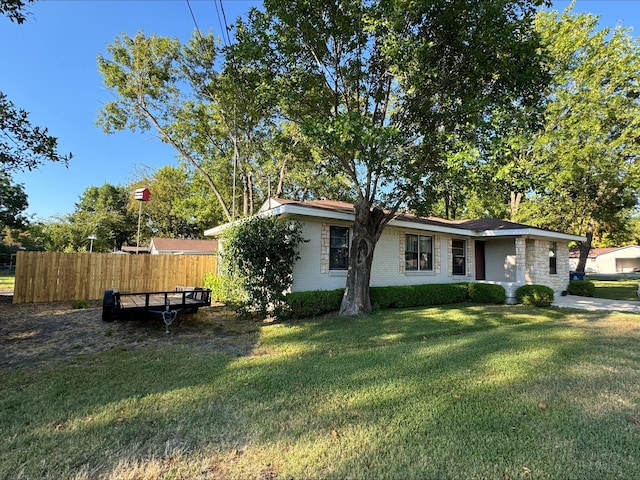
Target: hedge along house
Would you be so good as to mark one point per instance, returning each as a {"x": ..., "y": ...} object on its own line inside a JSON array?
[{"x": 414, "y": 250}]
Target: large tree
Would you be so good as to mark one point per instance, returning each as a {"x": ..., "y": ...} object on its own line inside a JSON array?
[
  {"x": 23, "y": 146},
  {"x": 587, "y": 156},
  {"x": 206, "y": 101},
  {"x": 381, "y": 87},
  {"x": 203, "y": 110}
]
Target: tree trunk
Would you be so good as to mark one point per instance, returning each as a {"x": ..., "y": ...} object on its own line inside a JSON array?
[
  {"x": 514, "y": 204},
  {"x": 585, "y": 248},
  {"x": 280, "y": 186},
  {"x": 366, "y": 232}
]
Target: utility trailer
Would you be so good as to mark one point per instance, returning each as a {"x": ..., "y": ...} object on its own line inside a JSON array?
[{"x": 167, "y": 303}]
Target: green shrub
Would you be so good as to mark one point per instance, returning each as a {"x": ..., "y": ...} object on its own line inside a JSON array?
[
  {"x": 393, "y": 297},
  {"x": 487, "y": 293},
  {"x": 584, "y": 288},
  {"x": 225, "y": 289},
  {"x": 318, "y": 302},
  {"x": 311, "y": 303},
  {"x": 537, "y": 295},
  {"x": 261, "y": 252},
  {"x": 79, "y": 304},
  {"x": 417, "y": 295},
  {"x": 442, "y": 293}
]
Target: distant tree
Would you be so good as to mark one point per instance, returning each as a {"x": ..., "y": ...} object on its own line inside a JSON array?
[
  {"x": 587, "y": 156},
  {"x": 101, "y": 211},
  {"x": 206, "y": 114},
  {"x": 208, "y": 103},
  {"x": 13, "y": 202},
  {"x": 181, "y": 205}
]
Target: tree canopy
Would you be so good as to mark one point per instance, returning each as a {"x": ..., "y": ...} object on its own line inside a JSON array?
[
  {"x": 15, "y": 10},
  {"x": 13, "y": 202},
  {"x": 201, "y": 100},
  {"x": 586, "y": 156},
  {"x": 22, "y": 145}
]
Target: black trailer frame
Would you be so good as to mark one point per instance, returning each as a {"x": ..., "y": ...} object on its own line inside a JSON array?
[{"x": 115, "y": 303}]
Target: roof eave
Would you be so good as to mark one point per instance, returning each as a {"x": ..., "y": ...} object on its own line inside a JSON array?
[
  {"x": 311, "y": 211},
  {"x": 531, "y": 232}
]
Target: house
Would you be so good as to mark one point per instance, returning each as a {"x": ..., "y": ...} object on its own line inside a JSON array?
[
  {"x": 414, "y": 250},
  {"x": 609, "y": 260},
  {"x": 133, "y": 250},
  {"x": 181, "y": 246}
]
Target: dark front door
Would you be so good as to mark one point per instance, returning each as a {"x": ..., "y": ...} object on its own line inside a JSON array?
[{"x": 480, "y": 273}]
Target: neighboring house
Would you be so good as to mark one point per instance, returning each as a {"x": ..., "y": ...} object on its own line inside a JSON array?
[
  {"x": 414, "y": 250},
  {"x": 178, "y": 246},
  {"x": 133, "y": 250},
  {"x": 609, "y": 260}
]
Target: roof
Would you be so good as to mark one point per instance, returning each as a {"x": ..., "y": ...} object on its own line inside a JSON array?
[
  {"x": 182, "y": 245},
  {"x": 344, "y": 207},
  {"x": 483, "y": 227},
  {"x": 596, "y": 252},
  {"x": 134, "y": 249}
]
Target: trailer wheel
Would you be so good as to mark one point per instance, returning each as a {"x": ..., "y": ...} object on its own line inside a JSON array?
[
  {"x": 107, "y": 306},
  {"x": 106, "y": 314}
]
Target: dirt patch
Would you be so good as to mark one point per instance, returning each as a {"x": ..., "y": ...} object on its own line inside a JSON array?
[{"x": 36, "y": 334}]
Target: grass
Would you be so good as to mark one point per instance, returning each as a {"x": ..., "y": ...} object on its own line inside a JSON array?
[
  {"x": 456, "y": 392},
  {"x": 7, "y": 281},
  {"x": 616, "y": 289}
]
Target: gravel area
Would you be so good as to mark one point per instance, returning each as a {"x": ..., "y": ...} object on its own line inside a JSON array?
[{"x": 36, "y": 334}]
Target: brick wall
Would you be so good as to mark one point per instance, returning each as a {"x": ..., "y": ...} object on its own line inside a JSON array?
[{"x": 312, "y": 271}]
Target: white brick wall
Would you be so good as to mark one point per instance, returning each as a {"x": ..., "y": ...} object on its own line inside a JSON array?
[
  {"x": 530, "y": 256},
  {"x": 312, "y": 272}
]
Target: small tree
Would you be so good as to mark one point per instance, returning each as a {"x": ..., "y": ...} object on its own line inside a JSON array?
[{"x": 261, "y": 253}]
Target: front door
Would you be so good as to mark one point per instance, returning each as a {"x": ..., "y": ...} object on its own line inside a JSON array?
[{"x": 479, "y": 254}]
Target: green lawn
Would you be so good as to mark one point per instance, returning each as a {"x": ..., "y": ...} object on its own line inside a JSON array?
[
  {"x": 438, "y": 393},
  {"x": 6, "y": 281},
  {"x": 616, "y": 289}
]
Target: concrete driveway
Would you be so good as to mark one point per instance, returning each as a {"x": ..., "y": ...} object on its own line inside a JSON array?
[{"x": 594, "y": 304}]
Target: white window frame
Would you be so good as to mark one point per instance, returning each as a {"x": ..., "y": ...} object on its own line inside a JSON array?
[
  {"x": 553, "y": 258},
  {"x": 348, "y": 245},
  {"x": 420, "y": 253},
  {"x": 463, "y": 256}
]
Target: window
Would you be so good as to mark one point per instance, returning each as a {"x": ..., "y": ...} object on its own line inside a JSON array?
[
  {"x": 553, "y": 258},
  {"x": 458, "y": 249},
  {"x": 338, "y": 248},
  {"x": 418, "y": 253}
]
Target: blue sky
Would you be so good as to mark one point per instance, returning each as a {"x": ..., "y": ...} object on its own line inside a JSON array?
[{"x": 49, "y": 69}]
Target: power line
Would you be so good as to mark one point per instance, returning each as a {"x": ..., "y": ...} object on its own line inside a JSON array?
[
  {"x": 222, "y": 29},
  {"x": 194, "y": 18},
  {"x": 224, "y": 16}
]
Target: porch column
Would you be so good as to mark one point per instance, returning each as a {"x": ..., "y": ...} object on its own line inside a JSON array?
[{"x": 521, "y": 261}]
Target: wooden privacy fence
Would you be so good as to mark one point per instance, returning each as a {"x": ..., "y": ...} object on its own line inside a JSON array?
[{"x": 61, "y": 277}]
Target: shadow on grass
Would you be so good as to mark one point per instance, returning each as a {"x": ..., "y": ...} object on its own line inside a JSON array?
[{"x": 455, "y": 392}]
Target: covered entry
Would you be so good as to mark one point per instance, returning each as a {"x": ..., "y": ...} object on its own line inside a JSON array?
[{"x": 496, "y": 260}]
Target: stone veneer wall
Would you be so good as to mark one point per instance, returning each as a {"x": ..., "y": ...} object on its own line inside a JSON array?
[
  {"x": 537, "y": 264},
  {"x": 531, "y": 256}
]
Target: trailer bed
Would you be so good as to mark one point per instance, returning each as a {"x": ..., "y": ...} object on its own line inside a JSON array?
[{"x": 183, "y": 298}]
